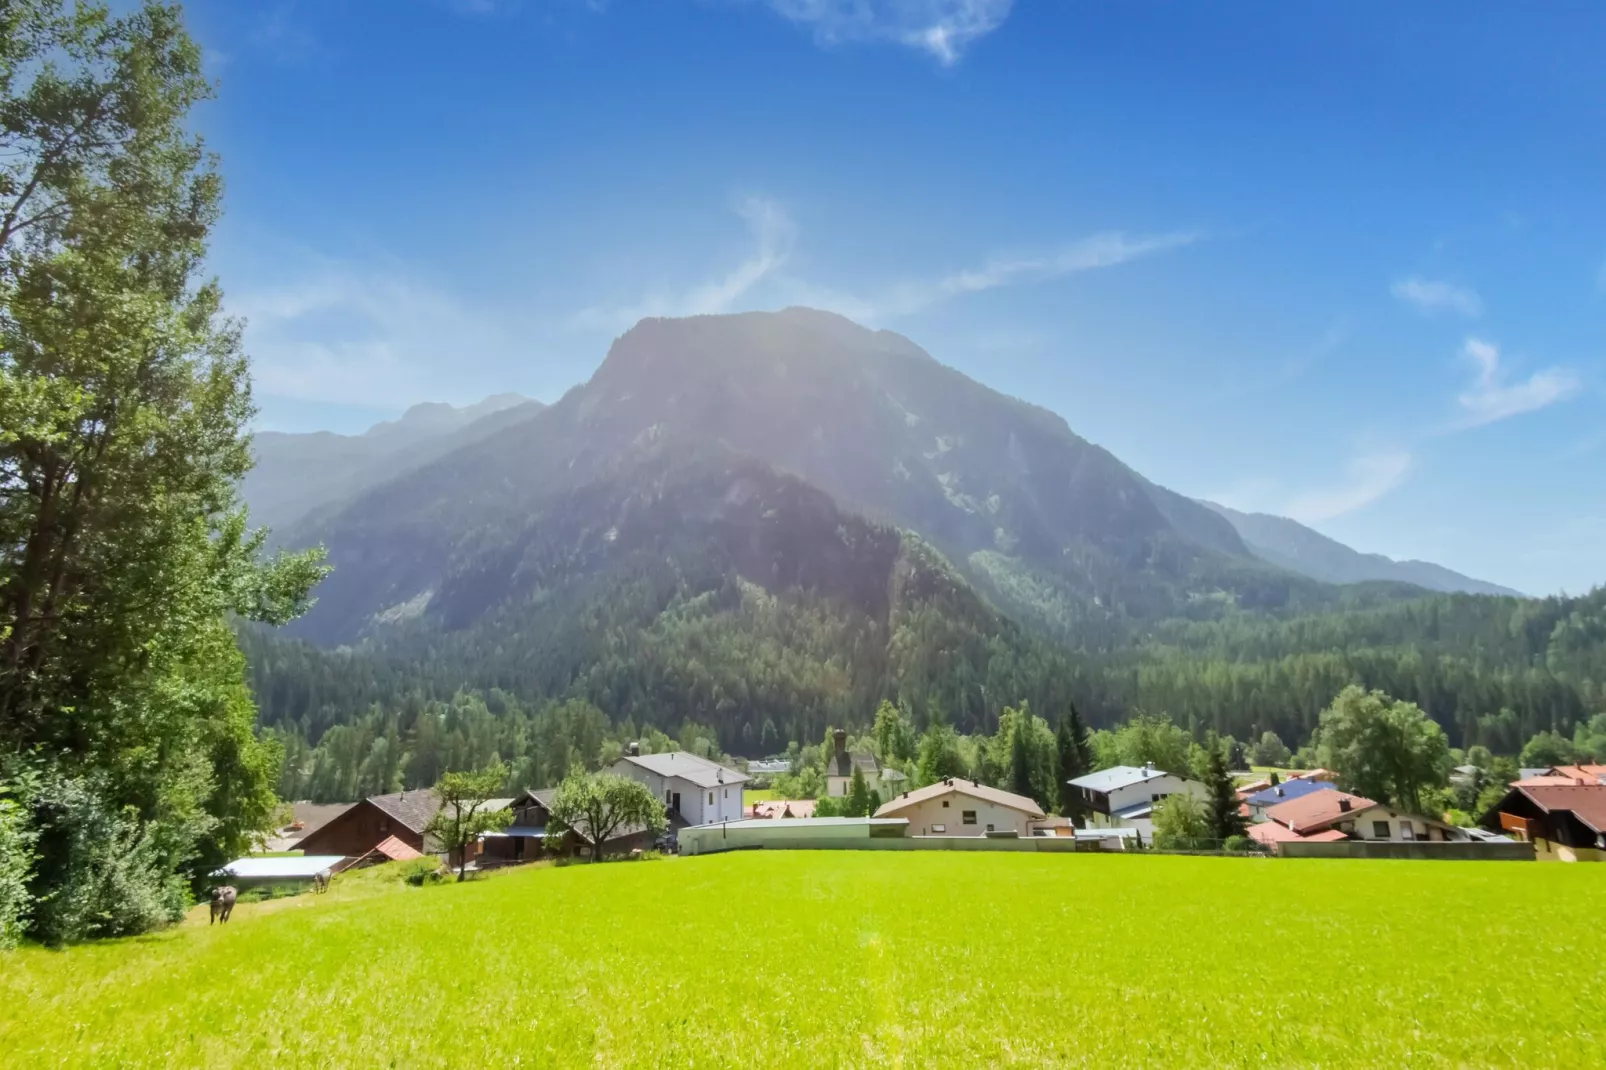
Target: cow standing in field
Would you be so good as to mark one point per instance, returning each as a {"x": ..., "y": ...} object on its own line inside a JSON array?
[{"x": 222, "y": 904}]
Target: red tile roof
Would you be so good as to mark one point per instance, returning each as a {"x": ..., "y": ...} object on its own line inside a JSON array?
[
  {"x": 1271, "y": 832},
  {"x": 1591, "y": 774},
  {"x": 395, "y": 850},
  {"x": 784, "y": 808},
  {"x": 1586, "y": 801},
  {"x": 1318, "y": 810}
]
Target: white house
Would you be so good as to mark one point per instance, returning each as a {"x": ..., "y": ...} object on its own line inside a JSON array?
[
  {"x": 1125, "y": 796},
  {"x": 956, "y": 807},
  {"x": 699, "y": 790}
]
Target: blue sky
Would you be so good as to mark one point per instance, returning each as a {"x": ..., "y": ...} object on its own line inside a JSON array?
[{"x": 1344, "y": 263}]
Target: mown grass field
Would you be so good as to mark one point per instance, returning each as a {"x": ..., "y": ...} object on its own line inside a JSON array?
[{"x": 856, "y": 959}]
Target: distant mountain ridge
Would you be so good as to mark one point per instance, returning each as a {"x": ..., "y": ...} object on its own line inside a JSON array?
[
  {"x": 296, "y": 474},
  {"x": 1291, "y": 545}
]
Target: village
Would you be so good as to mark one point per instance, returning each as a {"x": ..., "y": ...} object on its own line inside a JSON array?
[{"x": 1556, "y": 813}]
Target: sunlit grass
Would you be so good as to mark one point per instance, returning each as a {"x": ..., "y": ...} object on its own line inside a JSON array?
[{"x": 856, "y": 959}]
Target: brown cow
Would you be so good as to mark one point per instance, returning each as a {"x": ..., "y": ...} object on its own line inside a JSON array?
[{"x": 222, "y": 903}]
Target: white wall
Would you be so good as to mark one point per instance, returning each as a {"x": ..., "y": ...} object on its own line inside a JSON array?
[
  {"x": 948, "y": 810},
  {"x": 1161, "y": 786},
  {"x": 694, "y": 802},
  {"x": 1367, "y": 821}
]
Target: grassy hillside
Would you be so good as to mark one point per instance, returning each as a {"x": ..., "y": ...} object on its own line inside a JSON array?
[{"x": 843, "y": 959}]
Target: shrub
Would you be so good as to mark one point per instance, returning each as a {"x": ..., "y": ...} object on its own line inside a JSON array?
[
  {"x": 16, "y": 867},
  {"x": 1241, "y": 845},
  {"x": 422, "y": 871}
]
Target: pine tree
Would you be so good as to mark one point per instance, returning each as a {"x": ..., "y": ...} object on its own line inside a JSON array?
[
  {"x": 1074, "y": 751},
  {"x": 858, "y": 803},
  {"x": 1225, "y": 819}
]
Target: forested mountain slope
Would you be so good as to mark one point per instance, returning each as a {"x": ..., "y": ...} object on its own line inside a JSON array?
[{"x": 1291, "y": 545}]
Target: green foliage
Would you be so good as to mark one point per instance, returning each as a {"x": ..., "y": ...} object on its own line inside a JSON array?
[
  {"x": 463, "y": 816},
  {"x": 1240, "y": 844},
  {"x": 599, "y": 806},
  {"x": 1383, "y": 749},
  {"x": 1270, "y": 750},
  {"x": 1145, "y": 739},
  {"x": 123, "y": 406},
  {"x": 1546, "y": 749},
  {"x": 861, "y": 801},
  {"x": 1589, "y": 740},
  {"x": 894, "y": 733},
  {"x": 1226, "y": 822},
  {"x": 938, "y": 757},
  {"x": 1074, "y": 752},
  {"x": 1181, "y": 823},
  {"x": 17, "y": 839}
]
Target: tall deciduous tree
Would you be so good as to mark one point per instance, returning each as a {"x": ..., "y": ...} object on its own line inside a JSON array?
[
  {"x": 124, "y": 400},
  {"x": 598, "y": 805},
  {"x": 464, "y": 815},
  {"x": 1382, "y": 748}
]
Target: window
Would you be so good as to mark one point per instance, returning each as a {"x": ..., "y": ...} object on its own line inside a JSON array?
[
  {"x": 1380, "y": 830},
  {"x": 1407, "y": 831},
  {"x": 967, "y": 817},
  {"x": 989, "y": 828},
  {"x": 727, "y": 793},
  {"x": 940, "y": 828},
  {"x": 710, "y": 798},
  {"x": 1157, "y": 798},
  {"x": 945, "y": 803}
]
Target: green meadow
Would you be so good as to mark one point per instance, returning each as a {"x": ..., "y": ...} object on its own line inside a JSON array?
[{"x": 805, "y": 959}]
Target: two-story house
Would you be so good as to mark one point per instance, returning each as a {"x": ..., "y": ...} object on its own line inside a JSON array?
[
  {"x": 1125, "y": 796},
  {"x": 700, "y": 791}
]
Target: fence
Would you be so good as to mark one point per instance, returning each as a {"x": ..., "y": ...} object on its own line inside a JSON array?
[{"x": 1468, "y": 851}]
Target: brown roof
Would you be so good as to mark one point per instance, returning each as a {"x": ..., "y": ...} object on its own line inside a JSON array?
[
  {"x": 963, "y": 787},
  {"x": 784, "y": 808},
  {"x": 412, "y": 809},
  {"x": 1586, "y": 801},
  {"x": 1271, "y": 832},
  {"x": 1590, "y": 774},
  {"x": 395, "y": 850},
  {"x": 1319, "y": 809}
]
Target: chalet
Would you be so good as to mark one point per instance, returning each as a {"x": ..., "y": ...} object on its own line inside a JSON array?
[
  {"x": 361, "y": 827},
  {"x": 1275, "y": 795},
  {"x": 839, "y": 767},
  {"x": 1318, "y": 814},
  {"x": 695, "y": 790},
  {"x": 530, "y": 835},
  {"x": 1125, "y": 796},
  {"x": 1565, "y": 819},
  {"x": 956, "y": 807}
]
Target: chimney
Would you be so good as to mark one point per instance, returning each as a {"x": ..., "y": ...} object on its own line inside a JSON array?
[
  {"x": 1343, "y": 806},
  {"x": 634, "y": 750}
]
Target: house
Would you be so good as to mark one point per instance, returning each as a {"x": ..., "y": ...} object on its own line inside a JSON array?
[
  {"x": 1125, "y": 796},
  {"x": 528, "y": 838},
  {"x": 305, "y": 819},
  {"x": 1564, "y": 819},
  {"x": 1317, "y": 813},
  {"x": 361, "y": 827},
  {"x": 1263, "y": 800},
  {"x": 1589, "y": 774},
  {"x": 694, "y": 790},
  {"x": 957, "y": 807},
  {"x": 840, "y": 764}
]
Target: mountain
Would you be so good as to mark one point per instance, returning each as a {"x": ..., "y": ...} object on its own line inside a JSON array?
[
  {"x": 298, "y": 473},
  {"x": 1289, "y": 544}
]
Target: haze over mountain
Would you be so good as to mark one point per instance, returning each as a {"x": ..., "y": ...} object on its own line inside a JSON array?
[
  {"x": 297, "y": 473},
  {"x": 1292, "y": 545},
  {"x": 765, "y": 523}
]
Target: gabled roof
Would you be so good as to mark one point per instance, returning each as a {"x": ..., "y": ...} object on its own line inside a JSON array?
[
  {"x": 1586, "y": 801},
  {"x": 395, "y": 850},
  {"x": 1589, "y": 774},
  {"x": 955, "y": 785},
  {"x": 686, "y": 766},
  {"x": 1271, "y": 832},
  {"x": 410, "y": 809},
  {"x": 842, "y": 763},
  {"x": 1318, "y": 810},
  {"x": 1117, "y": 777},
  {"x": 1294, "y": 789}
]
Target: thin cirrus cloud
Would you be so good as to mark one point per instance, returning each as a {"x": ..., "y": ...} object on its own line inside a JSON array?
[
  {"x": 1491, "y": 398},
  {"x": 1367, "y": 477},
  {"x": 1434, "y": 296},
  {"x": 761, "y": 275},
  {"x": 943, "y": 29}
]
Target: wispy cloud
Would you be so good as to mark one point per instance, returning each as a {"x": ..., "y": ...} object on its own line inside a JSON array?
[
  {"x": 1367, "y": 477},
  {"x": 376, "y": 336},
  {"x": 1434, "y": 296},
  {"x": 772, "y": 233},
  {"x": 942, "y": 28},
  {"x": 915, "y": 295},
  {"x": 1491, "y": 398}
]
